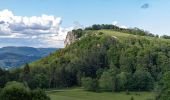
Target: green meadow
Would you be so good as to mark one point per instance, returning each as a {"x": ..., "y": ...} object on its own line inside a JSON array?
[{"x": 79, "y": 94}]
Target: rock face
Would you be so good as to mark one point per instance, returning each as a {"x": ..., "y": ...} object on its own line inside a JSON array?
[{"x": 70, "y": 38}]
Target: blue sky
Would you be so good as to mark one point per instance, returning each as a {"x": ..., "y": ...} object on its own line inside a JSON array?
[{"x": 151, "y": 15}]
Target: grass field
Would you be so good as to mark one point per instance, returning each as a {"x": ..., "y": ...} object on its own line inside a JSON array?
[{"x": 79, "y": 94}]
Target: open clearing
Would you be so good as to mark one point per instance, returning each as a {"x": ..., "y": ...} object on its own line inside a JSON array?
[{"x": 79, "y": 94}]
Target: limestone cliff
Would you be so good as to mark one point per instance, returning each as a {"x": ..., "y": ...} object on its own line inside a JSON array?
[{"x": 70, "y": 38}]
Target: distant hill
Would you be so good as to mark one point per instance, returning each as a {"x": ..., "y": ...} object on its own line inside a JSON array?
[{"x": 17, "y": 56}]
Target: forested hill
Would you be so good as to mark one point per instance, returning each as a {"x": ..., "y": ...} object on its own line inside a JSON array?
[
  {"x": 102, "y": 59},
  {"x": 112, "y": 59}
]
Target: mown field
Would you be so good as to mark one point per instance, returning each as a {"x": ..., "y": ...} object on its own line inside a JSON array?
[{"x": 79, "y": 94}]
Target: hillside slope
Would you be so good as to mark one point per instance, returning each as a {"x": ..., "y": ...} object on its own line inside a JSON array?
[
  {"x": 120, "y": 37},
  {"x": 125, "y": 61}
]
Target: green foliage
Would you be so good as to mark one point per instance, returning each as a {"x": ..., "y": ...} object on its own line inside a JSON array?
[
  {"x": 38, "y": 81},
  {"x": 78, "y": 33},
  {"x": 18, "y": 91},
  {"x": 132, "y": 98},
  {"x": 15, "y": 91},
  {"x": 135, "y": 31},
  {"x": 108, "y": 80},
  {"x": 165, "y": 37},
  {"x": 143, "y": 80},
  {"x": 163, "y": 88},
  {"x": 115, "y": 60},
  {"x": 122, "y": 81},
  {"x": 26, "y": 72},
  {"x": 164, "y": 95},
  {"x": 39, "y": 95},
  {"x": 90, "y": 84},
  {"x": 128, "y": 59},
  {"x": 4, "y": 77}
]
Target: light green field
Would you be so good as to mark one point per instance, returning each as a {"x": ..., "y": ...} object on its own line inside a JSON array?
[
  {"x": 121, "y": 35},
  {"x": 79, "y": 94}
]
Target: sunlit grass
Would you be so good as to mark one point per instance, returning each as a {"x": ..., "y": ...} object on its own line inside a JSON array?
[{"x": 79, "y": 94}]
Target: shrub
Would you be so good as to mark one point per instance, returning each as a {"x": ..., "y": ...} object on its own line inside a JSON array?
[
  {"x": 90, "y": 84},
  {"x": 18, "y": 91},
  {"x": 39, "y": 95},
  {"x": 15, "y": 91},
  {"x": 132, "y": 98}
]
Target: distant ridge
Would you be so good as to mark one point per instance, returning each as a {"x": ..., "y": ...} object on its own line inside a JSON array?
[{"x": 13, "y": 56}]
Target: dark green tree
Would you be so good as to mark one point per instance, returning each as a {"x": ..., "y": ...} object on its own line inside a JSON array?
[
  {"x": 143, "y": 81},
  {"x": 108, "y": 79},
  {"x": 15, "y": 91},
  {"x": 163, "y": 88},
  {"x": 39, "y": 95},
  {"x": 90, "y": 84}
]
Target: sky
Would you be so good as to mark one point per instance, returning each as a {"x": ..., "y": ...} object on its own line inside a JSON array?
[{"x": 45, "y": 23}]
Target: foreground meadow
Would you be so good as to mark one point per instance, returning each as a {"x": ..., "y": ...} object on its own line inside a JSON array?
[{"x": 79, "y": 94}]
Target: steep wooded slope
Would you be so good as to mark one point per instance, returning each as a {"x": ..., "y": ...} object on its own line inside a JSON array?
[{"x": 131, "y": 62}]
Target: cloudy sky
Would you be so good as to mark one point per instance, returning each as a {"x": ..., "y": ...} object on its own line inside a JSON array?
[{"x": 45, "y": 23}]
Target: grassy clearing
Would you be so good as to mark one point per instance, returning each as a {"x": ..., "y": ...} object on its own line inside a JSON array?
[
  {"x": 79, "y": 94},
  {"x": 121, "y": 35}
]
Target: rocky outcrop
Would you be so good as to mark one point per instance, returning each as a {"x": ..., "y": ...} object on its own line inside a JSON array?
[{"x": 70, "y": 38}]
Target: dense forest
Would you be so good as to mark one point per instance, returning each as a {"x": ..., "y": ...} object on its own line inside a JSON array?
[{"x": 104, "y": 58}]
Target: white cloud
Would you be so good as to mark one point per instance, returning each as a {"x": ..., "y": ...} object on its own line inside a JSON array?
[
  {"x": 123, "y": 26},
  {"x": 44, "y": 30},
  {"x": 116, "y": 23}
]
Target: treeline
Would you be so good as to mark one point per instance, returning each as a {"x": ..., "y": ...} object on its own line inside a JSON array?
[
  {"x": 134, "y": 31},
  {"x": 165, "y": 37}
]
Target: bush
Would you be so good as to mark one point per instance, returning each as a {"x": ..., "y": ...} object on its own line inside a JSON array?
[
  {"x": 90, "y": 84},
  {"x": 101, "y": 33},
  {"x": 163, "y": 92},
  {"x": 39, "y": 95},
  {"x": 143, "y": 81},
  {"x": 108, "y": 81},
  {"x": 132, "y": 98},
  {"x": 18, "y": 91},
  {"x": 15, "y": 91},
  {"x": 122, "y": 81}
]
